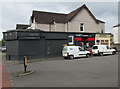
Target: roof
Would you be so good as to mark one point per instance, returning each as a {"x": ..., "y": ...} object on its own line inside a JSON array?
[
  {"x": 49, "y": 17},
  {"x": 118, "y": 25},
  {"x": 75, "y": 12},
  {"x": 22, "y": 26},
  {"x": 39, "y": 30}
]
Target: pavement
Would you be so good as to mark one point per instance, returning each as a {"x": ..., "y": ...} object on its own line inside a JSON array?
[
  {"x": 57, "y": 72},
  {"x": 4, "y": 76}
]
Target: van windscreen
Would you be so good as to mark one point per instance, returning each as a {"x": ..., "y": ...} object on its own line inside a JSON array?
[{"x": 95, "y": 47}]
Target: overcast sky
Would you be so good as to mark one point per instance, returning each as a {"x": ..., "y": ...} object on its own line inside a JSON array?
[{"x": 19, "y": 12}]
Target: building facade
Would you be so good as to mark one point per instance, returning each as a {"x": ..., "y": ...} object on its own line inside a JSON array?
[
  {"x": 104, "y": 39},
  {"x": 48, "y": 32},
  {"x": 116, "y": 32},
  {"x": 79, "y": 20},
  {"x": 39, "y": 44}
]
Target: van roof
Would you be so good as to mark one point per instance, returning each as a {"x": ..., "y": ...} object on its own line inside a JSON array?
[
  {"x": 99, "y": 45},
  {"x": 71, "y": 46}
]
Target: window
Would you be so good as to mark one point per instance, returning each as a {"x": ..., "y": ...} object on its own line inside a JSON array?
[
  {"x": 71, "y": 40},
  {"x": 65, "y": 49},
  {"x": 97, "y": 40},
  {"x": 81, "y": 26},
  {"x": 95, "y": 47},
  {"x": 107, "y": 47},
  {"x": 106, "y": 41},
  {"x": 111, "y": 39},
  {"x": 102, "y": 31},
  {"x": 102, "y": 41},
  {"x": 81, "y": 49},
  {"x": 71, "y": 48}
]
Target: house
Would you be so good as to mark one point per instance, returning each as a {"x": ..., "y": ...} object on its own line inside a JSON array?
[
  {"x": 79, "y": 20},
  {"x": 48, "y": 32},
  {"x": 116, "y": 33},
  {"x": 104, "y": 39}
]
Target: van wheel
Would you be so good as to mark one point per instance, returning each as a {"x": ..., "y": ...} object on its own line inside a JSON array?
[
  {"x": 71, "y": 57},
  {"x": 87, "y": 55},
  {"x": 101, "y": 54},
  {"x": 113, "y": 52}
]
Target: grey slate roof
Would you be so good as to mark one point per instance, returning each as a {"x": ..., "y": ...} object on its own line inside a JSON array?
[
  {"x": 118, "y": 25},
  {"x": 49, "y": 17},
  {"x": 22, "y": 26}
]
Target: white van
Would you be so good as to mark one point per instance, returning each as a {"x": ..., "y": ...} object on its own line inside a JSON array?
[
  {"x": 74, "y": 51},
  {"x": 102, "y": 50}
]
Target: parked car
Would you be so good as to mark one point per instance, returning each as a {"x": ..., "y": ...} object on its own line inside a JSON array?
[
  {"x": 74, "y": 51},
  {"x": 3, "y": 49},
  {"x": 102, "y": 50}
]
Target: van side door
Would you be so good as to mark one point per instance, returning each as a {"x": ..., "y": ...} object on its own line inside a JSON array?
[{"x": 81, "y": 52}]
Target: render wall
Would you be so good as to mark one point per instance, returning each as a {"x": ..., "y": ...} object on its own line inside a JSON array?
[
  {"x": 90, "y": 24},
  {"x": 116, "y": 32},
  {"x": 51, "y": 27}
]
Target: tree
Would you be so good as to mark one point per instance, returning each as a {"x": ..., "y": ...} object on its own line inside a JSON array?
[{"x": 3, "y": 43}]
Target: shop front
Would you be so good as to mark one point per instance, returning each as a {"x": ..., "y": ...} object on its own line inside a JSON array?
[
  {"x": 83, "y": 40},
  {"x": 41, "y": 44}
]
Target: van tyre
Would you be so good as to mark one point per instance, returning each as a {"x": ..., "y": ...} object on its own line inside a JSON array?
[
  {"x": 87, "y": 55},
  {"x": 101, "y": 54},
  {"x": 65, "y": 57},
  {"x": 71, "y": 57},
  {"x": 113, "y": 52}
]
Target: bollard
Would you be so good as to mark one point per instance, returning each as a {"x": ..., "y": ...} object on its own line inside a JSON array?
[{"x": 25, "y": 63}]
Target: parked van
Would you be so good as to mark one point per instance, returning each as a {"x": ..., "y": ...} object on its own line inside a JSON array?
[
  {"x": 74, "y": 51},
  {"x": 102, "y": 50}
]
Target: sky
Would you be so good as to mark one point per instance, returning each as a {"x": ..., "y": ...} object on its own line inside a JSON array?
[{"x": 12, "y": 13}]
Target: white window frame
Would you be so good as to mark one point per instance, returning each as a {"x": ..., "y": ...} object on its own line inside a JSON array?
[{"x": 71, "y": 43}]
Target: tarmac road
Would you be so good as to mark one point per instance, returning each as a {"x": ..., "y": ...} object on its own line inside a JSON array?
[{"x": 81, "y": 72}]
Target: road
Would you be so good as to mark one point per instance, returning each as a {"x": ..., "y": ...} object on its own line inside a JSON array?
[{"x": 81, "y": 72}]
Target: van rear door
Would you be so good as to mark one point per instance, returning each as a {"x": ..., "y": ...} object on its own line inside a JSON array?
[{"x": 108, "y": 50}]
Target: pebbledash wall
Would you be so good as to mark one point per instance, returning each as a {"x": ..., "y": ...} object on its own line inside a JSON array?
[{"x": 39, "y": 44}]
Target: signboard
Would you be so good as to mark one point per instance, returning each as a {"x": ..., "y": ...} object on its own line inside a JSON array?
[
  {"x": 28, "y": 34},
  {"x": 29, "y": 38},
  {"x": 82, "y": 35}
]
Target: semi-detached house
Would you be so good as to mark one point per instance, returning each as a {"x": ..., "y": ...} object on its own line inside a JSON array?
[{"x": 79, "y": 20}]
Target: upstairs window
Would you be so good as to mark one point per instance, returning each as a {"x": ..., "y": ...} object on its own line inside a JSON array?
[{"x": 81, "y": 26}]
